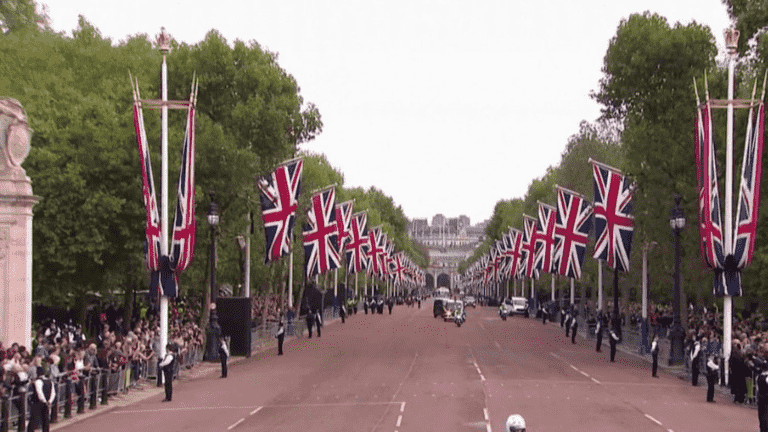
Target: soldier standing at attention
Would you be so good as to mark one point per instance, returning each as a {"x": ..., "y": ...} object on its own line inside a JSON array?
[
  {"x": 310, "y": 321},
  {"x": 280, "y": 336},
  {"x": 655, "y": 355},
  {"x": 223, "y": 355}
]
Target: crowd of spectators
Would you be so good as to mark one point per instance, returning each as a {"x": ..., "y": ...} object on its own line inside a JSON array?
[{"x": 272, "y": 303}]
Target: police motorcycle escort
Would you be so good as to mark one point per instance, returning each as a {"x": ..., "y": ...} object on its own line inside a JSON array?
[{"x": 454, "y": 311}]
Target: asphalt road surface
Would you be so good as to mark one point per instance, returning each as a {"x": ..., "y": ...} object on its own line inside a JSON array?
[{"x": 411, "y": 372}]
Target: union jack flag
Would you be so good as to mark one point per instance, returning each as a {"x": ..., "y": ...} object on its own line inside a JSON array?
[
  {"x": 545, "y": 237},
  {"x": 358, "y": 246},
  {"x": 320, "y": 234},
  {"x": 574, "y": 221},
  {"x": 529, "y": 247},
  {"x": 749, "y": 192},
  {"x": 279, "y": 202},
  {"x": 376, "y": 249},
  {"x": 398, "y": 272},
  {"x": 614, "y": 222},
  {"x": 386, "y": 257},
  {"x": 514, "y": 252},
  {"x": 183, "y": 244},
  {"x": 152, "y": 227},
  {"x": 343, "y": 222}
]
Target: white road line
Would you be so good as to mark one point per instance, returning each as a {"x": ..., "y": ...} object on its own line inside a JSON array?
[
  {"x": 497, "y": 345},
  {"x": 488, "y": 427},
  {"x": 399, "y": 419},
  {"x": 598, "y": 382},
  {"x": 485, "y": 413},
  {"x": 653, "y": 420},
  {"x": 482, "y": 378},
  {"x": 574, "y": 368},
  {"x": 585, "y": 374},
  {"x": 402, "y": 406},
  {"x": 556, "y": 356},
  {"x": 236, "y": 423},
  {"x": 256, "y": 410}
]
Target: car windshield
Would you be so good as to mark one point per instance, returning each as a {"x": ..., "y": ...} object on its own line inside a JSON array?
[
  {"x": 518, "y": 302},
  {"x": 452, "y": 306}
]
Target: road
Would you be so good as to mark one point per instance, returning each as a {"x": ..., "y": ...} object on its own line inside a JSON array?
[{"x": 411, "y": 372}]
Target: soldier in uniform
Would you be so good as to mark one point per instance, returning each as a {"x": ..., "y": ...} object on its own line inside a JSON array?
[
  {"x": 614, "y": 339},
  {"x": 695, "y": 362},
  {"x": 280, "y": 336},
  {"x": 167, "y": 366},
  {"x": 223, "y": 355},
  {"x": 655, "y": 355},
  {"x": 42, "y": 398},
  {"x": 310, "y": 321},
  {"x": 712, "y": 372}
]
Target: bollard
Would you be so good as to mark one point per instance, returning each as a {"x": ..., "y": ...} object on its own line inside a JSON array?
[
  {"x": 22, "y": 411},
  {"x": 93, "y": 388},
  {"x": 5, "y": 415},
  {"x": 104, "y": 390},
  {"x": 81, "y": 396},
  {"x": 67, "y": 398}
]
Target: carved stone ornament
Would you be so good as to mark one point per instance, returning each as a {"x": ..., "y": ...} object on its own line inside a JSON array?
[{"x": 15, "y": 135}]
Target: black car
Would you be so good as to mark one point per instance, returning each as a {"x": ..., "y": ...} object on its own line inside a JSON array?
[{"x": 438, "y": 308}]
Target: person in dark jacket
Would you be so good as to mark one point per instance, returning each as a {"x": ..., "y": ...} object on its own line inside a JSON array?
[
  {"x": 712, "y": 371},
  {"x": 739, "y": 373},
  {"x": 42, "y": 398},
  {"x": 223, "y": 355},
  {"x": 310, "y": 321}
]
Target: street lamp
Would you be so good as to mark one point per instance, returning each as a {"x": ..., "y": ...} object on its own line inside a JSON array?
[
  {"x": 677, "y": 335},
  {"x": 213, "y": 330}
]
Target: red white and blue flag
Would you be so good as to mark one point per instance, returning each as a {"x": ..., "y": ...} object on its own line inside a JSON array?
[
  {"x": 183, "y": 243},
  {"x": 320, "y": 244},
  {"x": 545, "y": 237},
  {"x": 358, "y": 246},
  {"x": 614, "y": 222},
  {"x": 344, "y": 222},
  {"x": 279, "y": 202},
  {"x": 529, "y": 247},
  {"x": 375, "y": 250},
  {"x": 574, "y": 221},
  {"x": 398, "y": 269},
  {"x": 513, "y": 241}
]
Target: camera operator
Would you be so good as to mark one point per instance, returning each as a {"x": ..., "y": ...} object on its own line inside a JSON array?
[{"x": 761, "y": 369}]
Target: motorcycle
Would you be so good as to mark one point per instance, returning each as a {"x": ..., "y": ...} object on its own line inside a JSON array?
[
  {"x": 459, "y": 319},
  {"x": 503, "y": 314}
]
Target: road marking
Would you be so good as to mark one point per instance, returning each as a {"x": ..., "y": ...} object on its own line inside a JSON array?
[
  {"x": 402, "y": 406},
  {"x": 236, "y": 423},
  {"x": 485, "y": 413},
  {"x": 399, "y": 419},
  {"x": 598, "y": 382},
  {"x": 497, "y": 345},
  {"x": 574, "y": 368},
  {"x": 482, "y": 378},
  {"x": 653, "y": 420},
  {"x": 556, "y": 356},
  {"x": 482, "y": 326},
  {"x": 256, "y": 410},
  {"x": 585, "y": 374},
  {"x": 488, "y": 427}
]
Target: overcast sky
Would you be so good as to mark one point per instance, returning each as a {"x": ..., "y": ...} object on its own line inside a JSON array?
[{"x": 447, "y": 106}]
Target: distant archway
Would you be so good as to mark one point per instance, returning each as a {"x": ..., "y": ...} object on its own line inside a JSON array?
[
  {"x": 430, "y": 281},
  {"x": 444, "y": 280}
]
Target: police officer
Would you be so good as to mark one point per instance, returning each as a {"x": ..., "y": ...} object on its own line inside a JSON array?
[
  {"x": 695, "y": 362},
  {"x": 318, "y": 321},
  {"x": 567, "y": 323},
  {"x": 42, "y": 398},
  {"x": 310, "y": 321},
  {"x": 515, "y": 423},
  {"x": 280, "y": 336},
  {"x": 390, "y": 303},
  {"x": 544, "y": 315},
  {"x": 365, "y": 306},
  {"x": 655, "y": 355},
  {"x": 614, "y": 339},
  {"x": 712, "y": 371},
  {"x": 342, "y": 312},
  {"x": 562, "y": 317},
  {"x": 574, "y": 327},
  {"x": 167, "y": 366},
  {"x": 599, "y": 331},
  {"x": 223, "y": 355}
]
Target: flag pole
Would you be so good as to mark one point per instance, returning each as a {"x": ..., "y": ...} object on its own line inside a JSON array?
[
  {"x": 599, "y": 285},
  {"x": 164, "y": 44},
  {"x": 731, "y": 41}
]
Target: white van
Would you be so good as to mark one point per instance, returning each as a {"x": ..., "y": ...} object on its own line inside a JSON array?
[{"x": 516, "y": 306}]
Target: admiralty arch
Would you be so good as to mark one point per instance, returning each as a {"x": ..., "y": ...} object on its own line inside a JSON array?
[{"x": 449, "y": 242}]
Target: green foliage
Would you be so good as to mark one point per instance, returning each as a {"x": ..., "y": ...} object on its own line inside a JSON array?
[{"x": 20, "y": 16}]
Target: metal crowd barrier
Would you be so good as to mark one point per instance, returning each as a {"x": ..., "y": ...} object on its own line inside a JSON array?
[{"x": 89, "y": 390}]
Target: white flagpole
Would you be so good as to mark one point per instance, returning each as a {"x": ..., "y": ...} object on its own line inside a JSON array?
[
  {"x": 335, "y": 282},
  {"x": 553, "y": 286},
  {"x": 290, "y": 278},
  {"x": 164, "y": 44},
  {"x": 599, "y": 285},
  {"x": 731, "y": 41},
  {"x": 573, "y": 291}
]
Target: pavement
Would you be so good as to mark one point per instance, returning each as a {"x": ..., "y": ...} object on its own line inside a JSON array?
[{"x": 411, "y": 372}]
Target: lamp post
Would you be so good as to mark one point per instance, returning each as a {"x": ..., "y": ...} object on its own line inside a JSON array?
[
  {"x": 213, "y": 330},
  {"x": 677, "y": 335}
]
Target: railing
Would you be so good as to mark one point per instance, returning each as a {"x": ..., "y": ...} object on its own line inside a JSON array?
[{"x": 89, "y": 390}]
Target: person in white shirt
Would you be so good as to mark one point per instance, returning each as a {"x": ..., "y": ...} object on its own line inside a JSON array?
[
  {"x": 712, "y": 371},
  {"x": 167, "y": 367},
  {"x": 280, "y": 336},
  {"x": 655, "y": 355},
  {"x": 223, "y": 355}
]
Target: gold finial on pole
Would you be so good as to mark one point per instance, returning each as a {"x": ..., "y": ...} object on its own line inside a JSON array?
[
  {"x": 731, "y": 40},
  {"x": 164, "y": 41}
]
